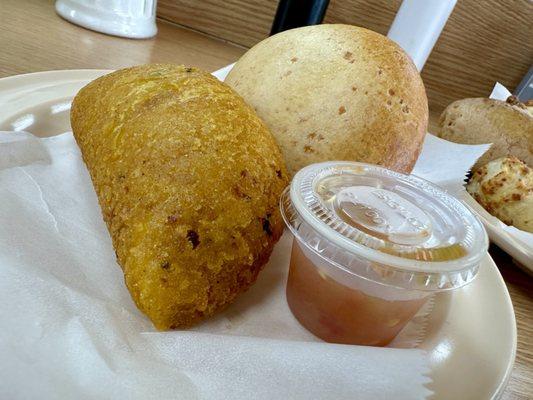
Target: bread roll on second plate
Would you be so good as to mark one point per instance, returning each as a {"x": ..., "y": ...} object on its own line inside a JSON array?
[
  {"x": 188, "y": 179},
  {"x": 336, "y": 92},
  {"x": 508, "y": 126},
  {"x": 504, "y": 187}
]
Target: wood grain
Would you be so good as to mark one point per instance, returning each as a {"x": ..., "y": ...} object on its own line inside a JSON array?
[
  {"x": 483, "y": 42},
  {"x": 239, "y": 21},
  {"x": 33, "y": 38}
]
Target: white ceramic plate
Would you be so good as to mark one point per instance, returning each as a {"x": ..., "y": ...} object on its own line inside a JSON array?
[
  {"x": 516, "y": 248},
  {"x": 471, "y": 335}
]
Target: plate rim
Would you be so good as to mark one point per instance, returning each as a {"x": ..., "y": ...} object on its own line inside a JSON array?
[
  {"x": 500, "y": 237},
  {"x": 51, "y": 72}
]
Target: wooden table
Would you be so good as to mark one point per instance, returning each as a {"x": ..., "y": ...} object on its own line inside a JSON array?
[{"x": 33, "y": 38}]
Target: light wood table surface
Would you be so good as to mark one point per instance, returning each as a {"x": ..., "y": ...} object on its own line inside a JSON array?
[{"x": 33, "y": 38}]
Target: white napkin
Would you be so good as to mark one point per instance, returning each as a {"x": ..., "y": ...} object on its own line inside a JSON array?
[
  {"x": 70, "y": 329},
  {"x": 446, "y": 163},
  {"x": 499, "y": 92},
  {"x": 70, "y": 325}
]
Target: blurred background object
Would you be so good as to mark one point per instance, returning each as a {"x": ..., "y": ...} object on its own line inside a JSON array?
[
  {"x": 524, "y": 91},
  {"x": 295, "y": 13},
  {"x": 127, "y": 18},
  {"x": 418, "y": 25}
]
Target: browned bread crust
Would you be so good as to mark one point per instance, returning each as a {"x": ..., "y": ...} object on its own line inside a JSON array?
[
  {"x": 188, "y": 179},
  {"x": 336, "y": 92},
  {"x": 504, "y": 187}
]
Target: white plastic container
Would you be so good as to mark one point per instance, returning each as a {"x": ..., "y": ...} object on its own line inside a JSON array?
[
  {"x": 127, "y": 18},
  {"x": 418, "y": 25},
  {"x": 371, "y": 245}
]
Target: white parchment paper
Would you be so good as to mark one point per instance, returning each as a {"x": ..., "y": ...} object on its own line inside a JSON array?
[{"x": 446, "y": 163}]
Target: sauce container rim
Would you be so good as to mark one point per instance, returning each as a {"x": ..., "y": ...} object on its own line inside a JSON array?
[{"x": 295, "y": 212}]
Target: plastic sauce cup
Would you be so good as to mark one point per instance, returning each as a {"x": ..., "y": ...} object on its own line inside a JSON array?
[{"x": 371, "y": 246}]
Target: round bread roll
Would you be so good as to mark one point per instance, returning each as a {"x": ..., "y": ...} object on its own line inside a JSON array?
[
  {"x": 479, "y": 120},
  {"x": 504, "y": 187},
  {"x": 188, "y": 179},
  {"x": 336, "y": 92}
]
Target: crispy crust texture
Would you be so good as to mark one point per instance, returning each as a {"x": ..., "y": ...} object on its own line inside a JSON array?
[
  {"x": 336, "y": 92},
  {"x": 504, "y": 187},
  {"x": 188, "y": 179}
]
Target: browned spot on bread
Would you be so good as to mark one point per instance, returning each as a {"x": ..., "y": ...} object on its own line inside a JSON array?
[
  {"x": 313, "y": 135},
  {"x": 246, "y": 175},
  {"x": 239, "y": 193},
  {"x": 487, "y": 189},
  {"x": 308, "y": 149},
  {"x": 294, "y": 59},
  {"x": 265, "y": 222},
  {"x": 348, "y": 55},
  {"x": 354, "y": 88},
  {"x": 193, "y": 238},
  {"x": 392, "y": 92},
  {"x": 342, "y": 110}
]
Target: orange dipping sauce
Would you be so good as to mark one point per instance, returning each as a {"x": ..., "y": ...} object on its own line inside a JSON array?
[
  {"x": 339, "y": 313},
  {"x": 370, "y": 246}
]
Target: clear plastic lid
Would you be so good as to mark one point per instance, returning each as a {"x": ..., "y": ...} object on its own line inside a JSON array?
[{"x": 395, "y": 229}]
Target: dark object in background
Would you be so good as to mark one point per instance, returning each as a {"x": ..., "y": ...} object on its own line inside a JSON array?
[
  {"x": 524, "y": 90},
  {"x": 295, "y": 13}
]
